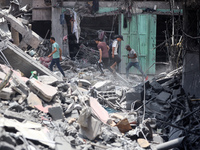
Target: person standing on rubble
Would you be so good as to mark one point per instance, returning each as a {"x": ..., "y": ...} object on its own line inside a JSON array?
[
  {"x": 103, "y": 55},
  {"x": 56, "y": 53},
  {"x": 134, "y": 62},
  {"x": 115, "y": 55}
]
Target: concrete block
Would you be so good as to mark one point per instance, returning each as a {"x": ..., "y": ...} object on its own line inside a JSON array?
[
  {"x": 156, "y": 86},
  {"x": 33, "y": 100},
  {"x": 102, "y": 85},
  {"x": 45, "y": 92},
  {"x": 7, "y": 93},
  {"x": 56, "y": 113},
  {"x": 50, "y": 80},
  {"x": 163, "y": 97},
  {"x": 93, "y": 129}
]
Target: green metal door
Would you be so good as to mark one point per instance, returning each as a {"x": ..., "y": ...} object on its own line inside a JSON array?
[{"x": 140, "y": 34}]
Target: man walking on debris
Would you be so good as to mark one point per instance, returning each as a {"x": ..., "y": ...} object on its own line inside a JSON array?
[
  {"x": 115, "y": 55},
  {"x": 103, "y": 55},
  {"x": 56, "y": 53},
  {"x": 134, "y": 62}
]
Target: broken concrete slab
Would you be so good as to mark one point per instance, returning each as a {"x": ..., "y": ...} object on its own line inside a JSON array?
[
  {"x": 15, "y": 123},
  {"x": 22, "y": 61},
  {"x": 7, "y": 93},
  {"x": 41, "y": 136},
  {"x": 163, "y": 97},
  {"x": 102, "y": 85},
  {"x": 30, "y": 37},
  {"x": 50, "y": 80},
  {"x": 15, "y": 115},
  {"x": 45, "y": 92},
  {"x": 156, "y": 86},
  {"x": 33, "y": 100},
  {"x": 98, "y": 110}
]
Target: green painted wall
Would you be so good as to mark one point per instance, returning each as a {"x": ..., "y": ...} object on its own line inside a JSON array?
[{"x": 140, "y": 34}]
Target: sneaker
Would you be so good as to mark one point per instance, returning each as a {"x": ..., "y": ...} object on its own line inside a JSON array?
[{"x": 146, "y": 78}]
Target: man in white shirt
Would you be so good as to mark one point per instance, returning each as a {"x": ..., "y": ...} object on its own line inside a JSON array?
[
  {"x": 115, "y": 55},
  {"x": 134, "y": 62}
]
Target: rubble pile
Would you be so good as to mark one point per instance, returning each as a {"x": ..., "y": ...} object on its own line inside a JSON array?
[
  {"x": 87, "y": 111},
  {"x": 92, "y": 112}
]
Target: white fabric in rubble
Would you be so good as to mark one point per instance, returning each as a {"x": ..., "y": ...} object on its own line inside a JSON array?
[
  {"x": 4, "y": 31},
  {"x": 77, "y": 29}
]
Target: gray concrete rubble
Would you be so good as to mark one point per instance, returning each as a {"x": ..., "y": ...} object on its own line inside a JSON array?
[
  {"x": 91, "y": 112},
  {"x": 86, "y": 110},
  {"x": 18, "y": 59},
  {"x": 30, "y": 37}
]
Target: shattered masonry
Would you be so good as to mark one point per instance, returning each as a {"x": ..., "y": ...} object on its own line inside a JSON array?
[{"x": 85, "y": 110}]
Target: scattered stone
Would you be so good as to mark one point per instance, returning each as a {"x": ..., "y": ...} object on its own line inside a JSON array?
[
  {"x": 33, "y": 100},
  {"x": 56, "y": 113}
]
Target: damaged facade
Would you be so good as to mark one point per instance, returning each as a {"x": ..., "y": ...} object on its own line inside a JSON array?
[{"x": 40, "y": 110}]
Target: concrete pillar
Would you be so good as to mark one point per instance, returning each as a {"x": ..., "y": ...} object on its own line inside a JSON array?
[
  {"x": 66, "y": 42},
  {"x": 58, "y": 30},
  {"x": 15, "y": 36}
]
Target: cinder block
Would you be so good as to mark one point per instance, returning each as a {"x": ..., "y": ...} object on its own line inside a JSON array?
[{"x": 56, "y": 113}]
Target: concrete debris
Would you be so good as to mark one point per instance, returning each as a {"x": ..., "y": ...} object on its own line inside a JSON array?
[
  {"x": 44, "y": 91},
  {"x": 7, "y": 93},
  {"x": 86, "y": 110},
  {"x": 22, "y": 61},
  {"x": 30, "y": 37},
  {"x": 33, "y": 100},
  {"x": 56, "y": 113}
]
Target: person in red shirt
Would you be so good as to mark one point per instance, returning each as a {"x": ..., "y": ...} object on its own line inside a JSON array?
[{"x": 103, "y": 54}]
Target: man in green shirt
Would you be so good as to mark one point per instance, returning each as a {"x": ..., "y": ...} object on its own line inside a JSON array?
[{"x": 56, "y": 53}]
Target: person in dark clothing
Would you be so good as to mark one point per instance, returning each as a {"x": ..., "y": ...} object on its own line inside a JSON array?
[
  {"x": 103, "y": 54},
  {"x": 56, "y": 53}
]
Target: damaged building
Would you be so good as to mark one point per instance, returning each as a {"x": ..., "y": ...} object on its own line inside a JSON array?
[{"x": 85, "y": 110}]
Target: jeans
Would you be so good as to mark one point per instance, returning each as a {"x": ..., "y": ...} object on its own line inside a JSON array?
[
  {"x": 57, "y": 62},
  {"x": 136, "y": 65}
]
